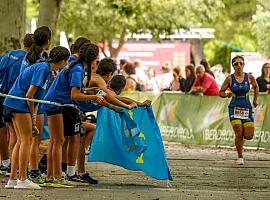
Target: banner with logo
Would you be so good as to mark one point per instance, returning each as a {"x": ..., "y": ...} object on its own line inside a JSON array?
[{"x": 190, "y": 119}]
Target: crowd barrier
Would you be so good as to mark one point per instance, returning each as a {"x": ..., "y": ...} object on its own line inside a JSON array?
[{"x": 190, "y": 119}]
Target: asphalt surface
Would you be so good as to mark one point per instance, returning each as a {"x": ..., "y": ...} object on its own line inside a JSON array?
[{"x": 199, "y": 173}]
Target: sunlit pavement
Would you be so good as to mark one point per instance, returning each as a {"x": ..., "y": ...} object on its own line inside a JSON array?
[{"x": 198, "y": 172}]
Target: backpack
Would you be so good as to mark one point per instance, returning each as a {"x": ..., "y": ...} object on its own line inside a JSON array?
[{"x": 8, "y": 62}]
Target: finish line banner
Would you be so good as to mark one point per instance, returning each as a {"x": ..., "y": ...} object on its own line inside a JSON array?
[{"x": 190, "y": 119}]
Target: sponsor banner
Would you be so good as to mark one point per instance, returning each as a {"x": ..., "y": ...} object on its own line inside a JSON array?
[{"x": 190, "y": 119}]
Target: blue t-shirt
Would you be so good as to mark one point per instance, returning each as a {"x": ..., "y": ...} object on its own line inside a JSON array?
[
  {"x": 39, "y": 75},
  {"x": 25, "y": 64},
  {"x": 72, "y": 58},
  {"x": 60, "y": 89},
  {"x": 10, "y": 65}
]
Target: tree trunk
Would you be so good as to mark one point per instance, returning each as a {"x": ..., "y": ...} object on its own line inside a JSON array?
[
  {"x": 197, "y": 50},
  {"x": 114, "y": 51},
  {"x": 49, "y": 11},
  {"x": 13, "y": 22}
]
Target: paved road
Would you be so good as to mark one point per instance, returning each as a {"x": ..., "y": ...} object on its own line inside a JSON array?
[{"x": 199, "y": 173}]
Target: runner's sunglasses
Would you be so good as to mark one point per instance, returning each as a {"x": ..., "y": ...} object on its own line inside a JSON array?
[{"x": 240, "y": 62}]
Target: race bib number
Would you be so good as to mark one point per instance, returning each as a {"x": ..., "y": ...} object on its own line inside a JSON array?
[{"x": 241, "y": 113}]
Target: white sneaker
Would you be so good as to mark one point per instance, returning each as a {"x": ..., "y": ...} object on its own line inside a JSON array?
[
  {"x": 11, "y": 184},
  {"x": 239, "y": 161},
  {"x": 27, "y": 184}
]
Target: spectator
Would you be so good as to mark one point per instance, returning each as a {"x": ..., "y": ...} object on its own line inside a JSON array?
[
  {"x": 120, "y": 70},
  {"x": 131, "y": 83},
  {"x": 219, "y": 75},
  {"x": 204, "y": 83},
  {"x": 140, "y": 75},
  {"x": 178, "y": 84},
  {"x": 190, "y": 77},
  {"x": 264, "y": 80},
  {"x": 166, "y": 77},
  {"x": 152, "y": 84},
  {"x": 207, "y": 67}
]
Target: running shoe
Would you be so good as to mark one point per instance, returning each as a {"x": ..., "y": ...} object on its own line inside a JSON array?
[
  {"x": 3, "y": 169},
  {"x": 86, "y": 178},
  {"x": 10, "y": 184},
  {"x": 27, "y": 184},
  {"x": 36, "y": 177},
  {"x": 239, "y": 161},
  {"x": 51, "y": 182},
  {"x": 48, "y": 182},
  {"x": 74, "y": 178},
  {"x": 63, "y": 181}
]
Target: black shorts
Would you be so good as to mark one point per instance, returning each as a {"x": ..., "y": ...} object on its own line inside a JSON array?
[
  {"x": 6, "y": 114},
  {"x": 2, "y": 121},
  {"x": 72, "y": 121},
  {"x": 54, "y": 112}
]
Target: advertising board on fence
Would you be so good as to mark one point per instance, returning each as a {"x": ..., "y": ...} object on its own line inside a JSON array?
[{"x": 192, "y": 119}]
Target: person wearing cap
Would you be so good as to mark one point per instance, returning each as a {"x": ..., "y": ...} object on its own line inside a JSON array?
[{"x": 204, "y": 83}]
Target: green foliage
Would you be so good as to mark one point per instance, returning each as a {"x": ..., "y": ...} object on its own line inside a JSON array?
[
  {"x": 218, "y": 53},
  {"x": 32, "y": 8},
  {"x": 261, "y": 26},
  {"x": 233, "y": 32},
  {"x": 110, "y": 20},
  {"x": 107, "y": 20}
]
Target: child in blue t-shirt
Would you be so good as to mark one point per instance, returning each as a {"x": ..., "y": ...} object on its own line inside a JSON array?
[
  {"x": 10, "y": 65},
  {"x": 67, "y": 87},
  {"x": 31, "y": 83}
]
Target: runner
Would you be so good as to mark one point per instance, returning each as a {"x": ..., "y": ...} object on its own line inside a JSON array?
[
  {"x": 31, "y": 83},
  {"x": 240, "y": 108}
]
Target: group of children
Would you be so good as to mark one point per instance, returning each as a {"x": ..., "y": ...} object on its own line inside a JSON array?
[{"x": 79, "y": 79}]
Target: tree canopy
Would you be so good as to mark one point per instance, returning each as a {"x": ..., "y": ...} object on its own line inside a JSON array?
[
  {"x": 261, "y": 26},
  {"x": 241, "y": 25},
  {"x": 233, "y": 32},
  {"x": 108, "y": 20}
]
